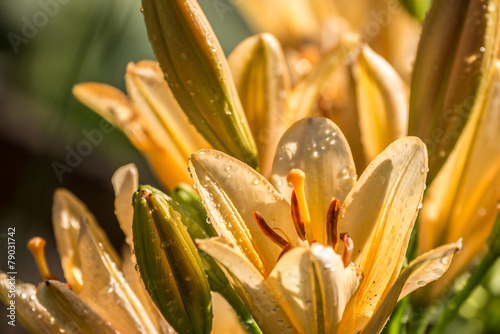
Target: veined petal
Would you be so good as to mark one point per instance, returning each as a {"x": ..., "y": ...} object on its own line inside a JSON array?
[
  {"x": 105, "y": 290},
  {"x": 151, "y": 95},
  {"x": 424, "y": 269},
  {"x": 462, "y": 200},
  {"x": 231, "y": 192},
  {"x": 261, "y": 77},
  {"x": 28, "y": 310},
  {"x": 69, "y": 310},
  {"x": 379, "y": 214},
  {"x": 125, "y": 182},
  {"x": 317, "y": 147},
  {"x": 382, "y": 103},
  {"x": 198, "y": 75},
  {"x": 111, "y": 104},
  {"x": 250, "y": 286},
  {"x": 313, "y": 287},
  {"x": 168, "y": 163},
  {"x": 67, "y": 212}
]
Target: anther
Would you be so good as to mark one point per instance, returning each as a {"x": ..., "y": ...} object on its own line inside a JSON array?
[
  {"x": 348, "y": 248},
  {"x": 269, "y": 232},
  {"x": 36, "y": 246},
  {"x": 332, "y": 220},
  {"x": 296, "y": 177},
  {"x": 297, "y": 219}
]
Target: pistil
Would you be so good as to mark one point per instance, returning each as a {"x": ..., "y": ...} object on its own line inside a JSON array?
[
  {"x": 297, "y": 177},
  {"x": 36, "y": 246}
]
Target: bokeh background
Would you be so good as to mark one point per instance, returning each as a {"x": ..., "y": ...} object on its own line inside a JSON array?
[{"x": 40, "y": 122}]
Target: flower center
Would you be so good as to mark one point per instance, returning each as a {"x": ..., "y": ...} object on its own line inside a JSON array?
[{"x": 302, "y": 221}]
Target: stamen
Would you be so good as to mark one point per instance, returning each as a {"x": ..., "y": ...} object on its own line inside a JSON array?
[
  {"x": 36, "y": 246},
  {"x": 332, "y": 220},
  {"x": 348, "y": 248},
  {"x": 296, "y": 177},
  {"x": 268, "y": 232},
  {"x": 297, "y": 220}
]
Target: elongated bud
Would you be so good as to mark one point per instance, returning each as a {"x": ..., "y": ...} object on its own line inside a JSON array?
[
  {"x": 198, "y": 74},
  {"x": 188, "y": 204},
  {"x": 452, "y": 70},
  {"x": 169, "y": 263}
]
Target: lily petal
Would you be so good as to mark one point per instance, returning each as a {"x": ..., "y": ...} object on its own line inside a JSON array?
[
  {"x": 250, "y": 285},
  {"x": 379, "y": 214},
  {"x": 69, "y": 310},
  {"x": 151, "y": 95},
  {"x": 261, "y": 77},
  {"x": 424, "y": 269},
  {"x": 67, "y": 212},
  {"x": 105, "y": 290},
  {"x": 34, "y": 317},
  {"x": 313, "y": 287},
  {"x": 231, "y": 192},
  {"x": 382, "y": 104},
  {"x": 125, "y": 182},
  {"x": 168, "y": 162},
  {"x": 317, "y": 147}
]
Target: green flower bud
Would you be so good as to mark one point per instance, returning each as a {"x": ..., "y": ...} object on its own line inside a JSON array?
[{"x": 169, "y": 263}]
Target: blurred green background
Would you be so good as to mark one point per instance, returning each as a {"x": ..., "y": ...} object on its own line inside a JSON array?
[{"x": 40, "y": 121}]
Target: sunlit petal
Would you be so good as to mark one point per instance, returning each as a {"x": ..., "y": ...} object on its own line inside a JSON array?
[
  {"x": 67, "y": 213},
  {"x": 68, "y": 309},
  {"x": 250, "y": 285},
  {"x": 424, "y": 269},
  {"x": 317, "y": 147},
  {"x": 27, "y": 309},
  {"x": 231, "y": 191},
  {"x": 314, "y": 287},
  {"x": 379, "y": 214},
  {"x": 153, "y": 99},
  {"x": 105, "y": 290},
  {"x": 125, "y": 182}
]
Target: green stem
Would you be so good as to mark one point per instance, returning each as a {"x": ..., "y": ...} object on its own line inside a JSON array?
[
  {"x": 395, "y": 325},
  {"x": 475, "y": 279},
  {"x": 421, "y": 322}
]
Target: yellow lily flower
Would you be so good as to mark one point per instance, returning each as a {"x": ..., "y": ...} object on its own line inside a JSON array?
[
  {"x": 280, "y": 243},
  {"x": 104, "y": 293},
  {"x": 150, "y": 117},
  {"x": 463, "y": 199}
]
